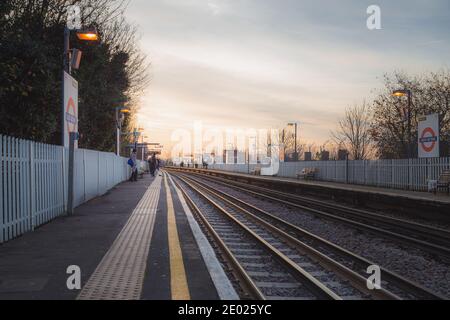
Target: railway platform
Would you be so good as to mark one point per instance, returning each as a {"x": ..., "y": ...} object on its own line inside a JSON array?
[
  {"x": 422, "y": 204},
  {"x": 139, "y": 241}
]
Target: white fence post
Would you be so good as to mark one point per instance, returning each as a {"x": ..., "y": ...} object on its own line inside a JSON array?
[
  {"x": 7, "y": 212},
  {"x": 392, "y": 174},
  {"x": 33, "y": 182},
  {"x": 2, "y": 210},
  {"x": 84, "y": 173},
  {"x": 32, "y": 186},
  {"x": 114, "y": 170},
  {"x": 376, "y": 176},
  {"x": 346, "y": 170},
  {"x": 13, "y": 155},
  {"x": 409, "y": 174},
  {"x": 98, "y": 172},
  {"x": 63, "y": 177}
]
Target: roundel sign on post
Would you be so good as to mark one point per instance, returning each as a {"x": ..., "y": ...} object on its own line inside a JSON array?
[
  {"x": 428, "y": 136},
  {"x": 70, "y": 110}
]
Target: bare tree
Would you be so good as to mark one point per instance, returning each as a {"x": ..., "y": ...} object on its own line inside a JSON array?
[
  {"x": 115, "y": 71},
  {"x": 354, "y": 132},
  {"x": 430, "y": 94},
  {"x": 287, "y": 137}
]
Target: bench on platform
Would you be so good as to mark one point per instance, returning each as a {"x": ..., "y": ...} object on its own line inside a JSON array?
[
  {"x": 256, "y": 171},
  {"x": 307, "y": 173},
  {"x": 443, "y": 181}
]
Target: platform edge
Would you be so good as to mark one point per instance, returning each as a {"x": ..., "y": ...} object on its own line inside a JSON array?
[{"x": 224, "y": 288}]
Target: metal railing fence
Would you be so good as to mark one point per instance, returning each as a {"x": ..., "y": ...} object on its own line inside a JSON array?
[
  {"x": 408, "y": 174},
  {"x": 33, "y": 182}
]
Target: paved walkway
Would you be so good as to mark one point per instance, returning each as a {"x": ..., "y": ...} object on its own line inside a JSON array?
[
  {"x": 416, "y": 195},
  {"x": 429, "y": 196},
  {"x": 135, "y": 242},
  {"x": 34, "y": 266}
]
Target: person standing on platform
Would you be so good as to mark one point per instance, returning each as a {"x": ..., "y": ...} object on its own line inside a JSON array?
[
  {"x": 134, "y": 169},
  {"x": 152, "y": 165}
]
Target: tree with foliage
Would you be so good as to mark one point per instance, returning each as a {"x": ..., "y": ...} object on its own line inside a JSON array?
[
  {"x": 113, "y": 71},
  {"x": 430, "y": 94}
]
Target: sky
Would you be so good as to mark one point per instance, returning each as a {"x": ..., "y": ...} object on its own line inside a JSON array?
[{"x": 264, "y": 63}]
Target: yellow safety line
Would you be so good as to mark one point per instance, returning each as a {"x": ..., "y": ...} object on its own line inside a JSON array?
[{"x": 178, "y": 281}]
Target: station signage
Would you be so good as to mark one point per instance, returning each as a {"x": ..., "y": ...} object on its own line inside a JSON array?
[
  {"x": 428, "y": 136},
  {"x": 70, "y": 111}
]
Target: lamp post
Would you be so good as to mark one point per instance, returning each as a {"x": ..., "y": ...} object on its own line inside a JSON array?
[
  {"x": 295, "y": 142},
  {"x": 144, "y": 148},
  {"x": 122, "y": 111},
  {"x": 89, "y": 34},
  {"x": 137, "y": 133},
  {"x": 408, "y": 93},
  {"x": 140, "y": 133}
]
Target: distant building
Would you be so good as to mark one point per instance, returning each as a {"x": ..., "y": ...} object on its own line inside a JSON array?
[
  {"x": 342, "y": 154},
  {"x": 308, "y": 156},
  {"x": 240, "y": 157},
  {"x": 325, "y": 155},
  {"x": 229, "y": 157}
]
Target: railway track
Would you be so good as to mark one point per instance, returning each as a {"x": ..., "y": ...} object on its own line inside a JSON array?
[
  {"x": 323, "y": 251},
  {"x": 431, "y": 239}
]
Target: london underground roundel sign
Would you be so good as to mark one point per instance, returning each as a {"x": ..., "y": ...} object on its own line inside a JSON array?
[
  {"x": 428, "y": 136},
  {"x": 70, "y": 108},
  {"x": 428, "y": 139},
  {"x": 71, "y": 116}
]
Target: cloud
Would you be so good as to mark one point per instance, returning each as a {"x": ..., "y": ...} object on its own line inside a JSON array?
[
  {"x": 214, "y": 7},
  {"x": 263, "y": 63}
]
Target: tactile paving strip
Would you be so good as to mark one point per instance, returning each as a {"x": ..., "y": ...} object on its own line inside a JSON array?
[{"x": 120, "y": 274}]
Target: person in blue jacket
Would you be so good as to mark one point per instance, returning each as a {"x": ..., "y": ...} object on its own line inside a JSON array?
[{"x": 133, "y": 163}]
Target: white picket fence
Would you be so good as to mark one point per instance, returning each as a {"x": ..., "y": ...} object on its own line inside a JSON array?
[
  {"x": 239, "y": 168},
  {"x": 33, "y": 182},
  {"x": 412, "y": 174}
]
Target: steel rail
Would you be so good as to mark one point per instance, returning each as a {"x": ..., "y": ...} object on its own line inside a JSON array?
[
  {"x": 440, "y": 250},
  {"x": 310, "y": 282},
  {"x": 410, "y": 287},
  {"x": 356, "y": 279},
  {"x": 439, "y": 236},
  {"x": 245, "y": 281}
]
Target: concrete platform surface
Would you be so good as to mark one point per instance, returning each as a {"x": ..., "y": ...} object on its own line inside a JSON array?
[{"x": 135, "y": 242}]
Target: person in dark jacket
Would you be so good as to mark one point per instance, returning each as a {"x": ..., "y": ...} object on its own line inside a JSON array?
[{"x": 152, "y": 165}]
